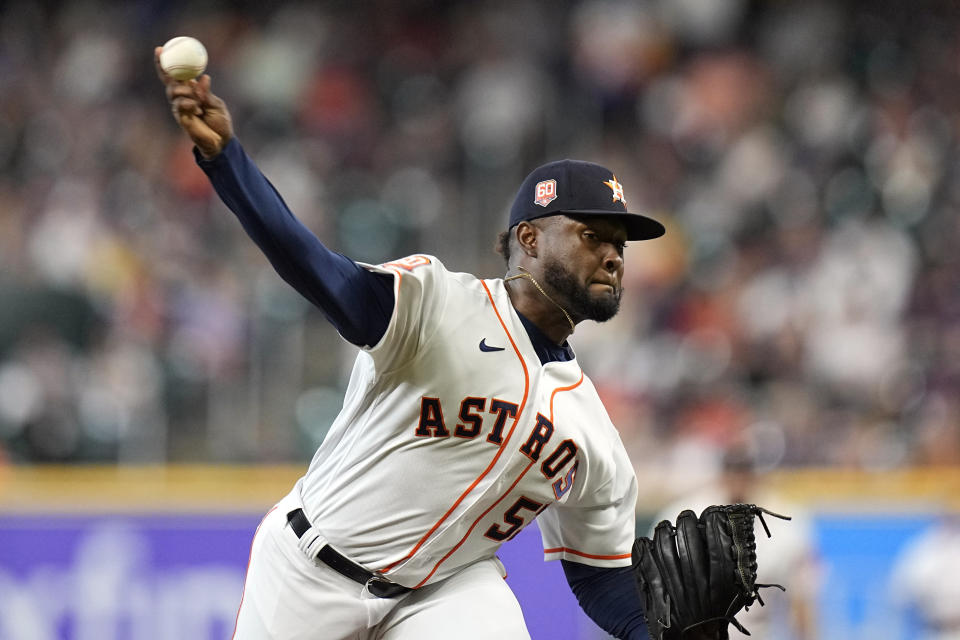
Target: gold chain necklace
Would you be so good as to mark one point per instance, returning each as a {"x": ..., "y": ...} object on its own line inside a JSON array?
[{"x": 526, "y": 274}]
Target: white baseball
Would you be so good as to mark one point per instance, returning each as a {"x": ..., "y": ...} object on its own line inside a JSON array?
[{"x": 183, "y": 58}]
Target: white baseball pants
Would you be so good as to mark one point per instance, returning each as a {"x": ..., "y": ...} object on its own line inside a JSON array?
[{"x": 288, "y": 597}]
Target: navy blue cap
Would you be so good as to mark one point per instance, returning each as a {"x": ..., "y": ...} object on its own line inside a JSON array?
[{"x": 578, "y": 188}]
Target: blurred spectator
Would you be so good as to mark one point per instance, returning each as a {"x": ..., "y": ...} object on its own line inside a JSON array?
[
  {"x": 925, "y": 582},
  {"x": 803, "y": 155}
]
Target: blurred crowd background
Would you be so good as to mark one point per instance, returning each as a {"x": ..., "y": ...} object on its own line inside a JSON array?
[{"x": 805, "y": 303}]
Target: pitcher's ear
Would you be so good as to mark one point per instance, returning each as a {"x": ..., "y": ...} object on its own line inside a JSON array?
[{"x": 527, "y": 234}]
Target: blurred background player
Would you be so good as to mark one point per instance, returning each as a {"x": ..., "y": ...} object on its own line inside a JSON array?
[
  {"x": 925, "y": 581},
  {"x": 788, "y": 558}
]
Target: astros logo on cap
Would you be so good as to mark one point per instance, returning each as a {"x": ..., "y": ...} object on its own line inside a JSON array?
[
  {"x": 545, "y": 192},
  {"x": 617, "y": 190}
]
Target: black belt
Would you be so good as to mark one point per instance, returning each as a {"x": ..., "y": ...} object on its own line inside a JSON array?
[{"x": 377, "y": 585}]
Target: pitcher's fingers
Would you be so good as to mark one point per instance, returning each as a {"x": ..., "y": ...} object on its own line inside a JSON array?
[
  {"x": 202, "y": 85},
  {"x": 186, "y": 105},
  {"x": 212, "y": 100},
  {"x": 207, "y": 98},
  {"x": 179, "y": 89},
  {"x": 160, "y": 72}
]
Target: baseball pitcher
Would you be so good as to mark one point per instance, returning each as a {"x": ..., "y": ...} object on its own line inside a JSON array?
[{"x": 467, "y": 416}]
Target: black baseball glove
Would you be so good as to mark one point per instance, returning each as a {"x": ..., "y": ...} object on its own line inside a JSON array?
[{"x": 694, "y": 577}]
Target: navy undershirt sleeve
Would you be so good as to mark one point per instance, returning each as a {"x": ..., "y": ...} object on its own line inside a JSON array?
[
  {"x": 356, "y": 301},
  {"x": 359, "y": 304},
  {"x": 609, "y": 596}
]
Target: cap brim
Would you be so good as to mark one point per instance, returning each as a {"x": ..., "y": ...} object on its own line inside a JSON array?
[{"x": 638, "y": 227}]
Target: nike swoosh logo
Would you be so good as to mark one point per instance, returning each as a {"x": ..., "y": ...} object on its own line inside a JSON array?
[{"x": 485, "y": 347}]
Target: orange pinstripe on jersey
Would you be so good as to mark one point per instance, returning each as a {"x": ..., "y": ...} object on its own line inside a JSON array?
[
  {"x": 500, "y": 449},
  {"x": 515, "y": 482},
  {"x": 475, "y": 523},
  {"x": 583, "y": 554}
]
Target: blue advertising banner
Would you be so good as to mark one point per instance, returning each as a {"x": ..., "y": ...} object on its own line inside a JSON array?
[
  {"x": 125, "y": 576},
  {"x": 170, "y": 577}
]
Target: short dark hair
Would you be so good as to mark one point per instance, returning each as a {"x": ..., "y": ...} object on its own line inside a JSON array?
[
  {"x": 503, "y": 245},
  {"x": 505, "y": 239}
]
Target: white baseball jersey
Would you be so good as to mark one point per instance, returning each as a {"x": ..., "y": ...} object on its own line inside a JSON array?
[{"x": 453, "y": 437}]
